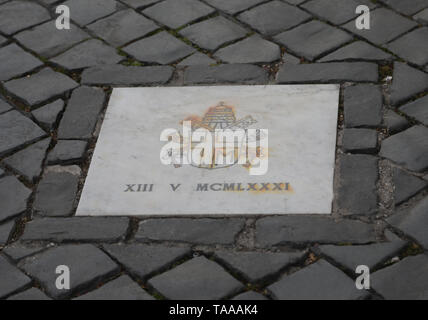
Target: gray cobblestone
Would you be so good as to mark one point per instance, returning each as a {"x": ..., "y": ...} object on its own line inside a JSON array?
[
  {"x": 406, "y": 185},
  {"x": 395, "y": 122},
  {"x": 6, "y": 231},
  {"x": 407, "y": 8},
  {"x": 360, "y": 141},
  {"x": 233, "y": 7},
  {"x": 85, "y": 12},
  {"x": 417, "y": 110},
  {"x": 11, "y": 278},
  {"x": 358, "y": 50},
  {"x": 412, "y": 46},
  {"x": 14, "y": 197},
  {"x": 197, "y": 59},
  {"x": 422, "y": 16},
  {"x": 47, "y": 115},
  {"x": 17, "y": 251},
  {"x": 32, "y": 294},
  {"x": 139, "y": 3},
  {"x": 67, "y": 151},
  {"x": 16, "y": 62},
  {"x": 407, "y": 81},
  {"x": 4, "y": 106},
  {"x": 250, "y": 295}
]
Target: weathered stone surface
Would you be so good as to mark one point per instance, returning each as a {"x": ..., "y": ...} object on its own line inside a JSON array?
[
  {"x": 197, "y": 59},
  {"x": 88, "y": 54},
  {"x": 119, "y": 75},
  {"x": 370, "y": 255},
  {"x": 312, "y": 39},
  {"x": 6, "y": 231},
  {"x": 413, "y": 222},
  {"x": 48, "y": 41},
  {"x": 32, "y": 294},
  {"x": 67, "y": 151},
  {"x": 76, "y": 229},
  {"x": 250, "y": 295},
  {"x": 18, "y": 15},
  {"x": 358, "y": 50},
  {"x": 412, "y": 46},
  {"x": 47, "y": 115},
  {"x": 273, "y": 17},
  {"x": 4, "y": 106},
  {"x": 14, "y": 197},
  {"x": 233, "y": 7},
  {"x": 407, "y": 82},
  {"x": 410, "y": 280},
  {"x": 379, "y": 18},
  {"x": 28, "y": 162},
  {"x": 56, "y": 194},
  {"x": 81, "y": 114},
  {"x": 16, "y": 61},
  {"x": 251, "y": 50},
  {"x": 16, "y": 251},
  {"x": 44, "y": 85},
  {"x": 331, "y": 72},
  {"x": 3, "y": 40},
  {"x": 198, "y": 278},
  {"x": 422, "y": 16},
  {"x": 318, "y": 281},
  {"x": 139, "y": 3},
  {"x": 11, "y": 278},
  {"x": 358, "y": 176},
  {"x": 2, "y": 173},
  {"x": 408, "y": 148},
  {"x": 406, "y": 185},
  {"x": 360, "y": 141},
  {"x": 17, "y": 130},
  {"x": 162, "y": 48},
  {"x": 122, "y": 27},
  {"x": 144, "y": 260},
  {"x": 211, "y": 34},
  {"x": 406, "y": 7},
  {"x": 395, "y": 122},
  {"x": 85, "y": 12},
  {"x": 363, "y": 106},
  {"x": 225, "y": 73},
  {"x": 206, "y": 231},
  {"x": 273, "y": 231},
  {"x": 417, "y": 109},
  {"x": 88, "y": 266},
  {"x": 122, "y": 288},
  {"x": 175, "y": 14},
  {"x": 257, "y": 266}
]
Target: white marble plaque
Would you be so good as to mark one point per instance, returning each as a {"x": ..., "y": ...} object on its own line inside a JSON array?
[{"x": 127, "y": 177}]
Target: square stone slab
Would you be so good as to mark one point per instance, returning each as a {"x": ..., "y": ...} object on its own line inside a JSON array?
[{"x": 126, "y": 176}]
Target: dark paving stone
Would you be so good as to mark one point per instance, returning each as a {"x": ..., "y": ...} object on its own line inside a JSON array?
[
  {"x": 422, "y": 17},
  {"x": 28, "y": 162},
  {"x": 197, "y": 59},
  {"x": 6, "y": 230},
  {"x": 328, "y": 72},
  {"x": 201, "y": 231},
  {"x": 358, "y": 50},
  {"x": 175, "y": 14},
  {"x": 257, "y": 266},
  {"x": 84, "y": 12},
  {"x": 251, "y": 50},
  {"x": 363, "y": 106},
  {"x": 250, "y": 295},
  {"x": 335, "y": 11},
  {"x": 417, "y": 109},
  {"x": 2, "y": 173},
  {"x": 17, "y": 130},
  {"x": 233, "y": 7},
  {"x": 3, "y": 40},
  {"x": 211, "y": 34},
  {"x": 312, "y": 39},
  {"x": 358, "y": 176},
  {"x": 139, "y": 3},
  {"x": 273, "y": 17},
  {"x": 319, "y": 281},
  {"x": 360, "y": 141},
  {"x": 406, "y": 185},
  {"x": 162, "y": 48},
  {"x": 87, "y": 54},
  {"x": 76, "y": 229},
  {"x": 412, "y": 47},
  {"x": 379, "y": 18},
  {"x": 14, "y": 197},
  {"x": 32, "y": 294},
  {"x": 370, "y": 255},
  {"x": 395, "y": 122},
  {"x": 406, "y": 82},
  {"x": 67, "y": 151},
  {"x": 198, "y": 278},
  {"x": 56, "y": 194},
  {"x": 17, "y": 251},
  {"x": 405, "y": 280},
  {"x": 124, "y": 76},
  {"x": 122, "y": 288},
  {"x": 4, "y": 106},
  {"x": 225, "y": 73},
  {"x": 44, "y": 85},
  {"x": 408, "y": 148},
  {"x": 81, "y": 114},
  {"x": 18, "y": 15},
  {"x": 407, "y": 7},
  {"x": 47, "y": 115},
  {"x": 11, "y": 278},
  {"x": 16, "y": 62},
  {"x": 123, "y": 27},
  {"x": 144, "y": 260},
  {"x": 413, "y": 222},
  {"x": 88, "y": 266},
  {"x": 272, "y": 231},
  {"x": 48, "y": 41}
]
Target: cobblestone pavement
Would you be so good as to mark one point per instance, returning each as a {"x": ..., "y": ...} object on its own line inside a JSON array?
[{"x": 54, "y": 88}]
